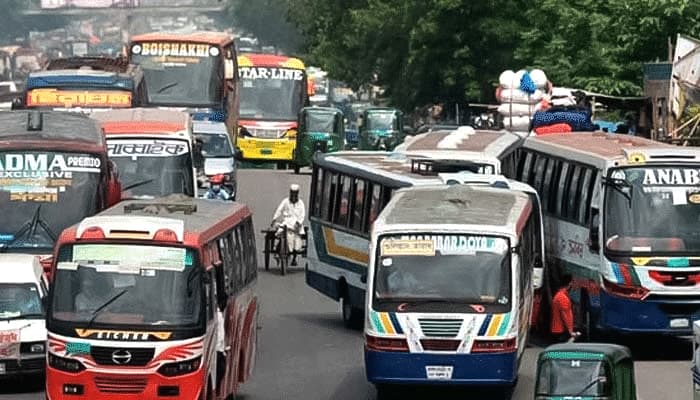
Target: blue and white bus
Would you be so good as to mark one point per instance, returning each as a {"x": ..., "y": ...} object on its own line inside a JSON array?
[
  {"x": 621, "y": 216},
  {"x": 349, "y": 189},
  {"x": 450, "y": 289}
]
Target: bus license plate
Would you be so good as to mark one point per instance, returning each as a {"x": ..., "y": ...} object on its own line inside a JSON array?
[
  {"x": 265, "y": 151},
  {"x": 439, "y": 372},
  {"x": 679, "y": 323}
]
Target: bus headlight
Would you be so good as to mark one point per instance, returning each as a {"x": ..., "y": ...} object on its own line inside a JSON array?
[
  {"x": 180, "y": 368},
  {"x": 65, "y": 364}
]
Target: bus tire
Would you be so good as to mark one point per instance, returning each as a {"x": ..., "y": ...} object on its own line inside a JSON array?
[
  {"x": 384, "y": 392},
  {"x": 352, "y": 316}
]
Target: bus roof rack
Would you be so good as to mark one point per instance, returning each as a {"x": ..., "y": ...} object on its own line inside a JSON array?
[
  {"x": 428, "y": 167},
  {"x": 157, "y": 208},
  {"x": 102, "y": 63}
]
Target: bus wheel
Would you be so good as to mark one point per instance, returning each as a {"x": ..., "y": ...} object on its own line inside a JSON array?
[
  {"x": 352, "y": 316},
  {"x": 384, "y": 392}
]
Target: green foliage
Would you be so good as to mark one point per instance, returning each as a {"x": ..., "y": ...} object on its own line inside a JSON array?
[
  {"x": 267, "y": 20},
  {"x": 455, "y": 49}
]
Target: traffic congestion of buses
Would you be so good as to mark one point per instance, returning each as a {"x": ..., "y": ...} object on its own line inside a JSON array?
[{"x": 130, "y": 269}]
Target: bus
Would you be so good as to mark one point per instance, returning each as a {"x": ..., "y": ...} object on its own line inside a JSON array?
[
  {"x": 364, "y": 181},
  {"x": 194, "y": 71},
  {"x": 621, "y": 217},
  {"x": 273, "y": 91},
  {"x": 152, "y": 149},
  {"x": 450, "y": 286},
  {"x": 154, "y": 299},
  {"x": 84, "y": 84},
  {"x": 54, "y": 171}
]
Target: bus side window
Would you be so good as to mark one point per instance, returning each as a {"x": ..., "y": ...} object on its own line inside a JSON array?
[
  {"x": 573, "y": 199},
  {"x": 587, "y": 193},
  {"x": 375, "y": 205},
  {"x": 226, "y": 255},
  {"x": 317, "y": 194},
  {"x": 540, "y": 168},
  {"x": 358, "y": 205},
  {"x": 547, "y": 192},
  {"x": 343, "y": 206},
  {"x": 210, "y": 293},
  {"x": 529, "y": 170},
  {"x": 239, "y": 258},
  {"x": 330, "y": 182},
  {"x": 561, "y": 189},
  {"x": 249, "y": 240}
]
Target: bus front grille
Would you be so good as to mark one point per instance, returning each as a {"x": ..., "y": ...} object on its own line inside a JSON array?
[
  {"x": 121, "y": 384},
  {"x": 440, "y": 344},
  {"x": 440, "y": 327}
]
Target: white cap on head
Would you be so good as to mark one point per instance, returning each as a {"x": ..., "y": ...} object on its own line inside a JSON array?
[{"x": 294, "y": 187}]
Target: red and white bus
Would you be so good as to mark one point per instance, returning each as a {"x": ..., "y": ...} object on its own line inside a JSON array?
[{"x": 153, "y": 299}]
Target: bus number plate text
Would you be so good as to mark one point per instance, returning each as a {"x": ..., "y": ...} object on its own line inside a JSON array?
[{"x": 439, "y": 372}]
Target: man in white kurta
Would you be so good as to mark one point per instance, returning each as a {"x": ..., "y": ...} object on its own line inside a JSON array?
[{"x": 291, "y": 213}]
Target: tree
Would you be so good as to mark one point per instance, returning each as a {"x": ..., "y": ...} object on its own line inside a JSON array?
[{"x": 267, "y": 20}]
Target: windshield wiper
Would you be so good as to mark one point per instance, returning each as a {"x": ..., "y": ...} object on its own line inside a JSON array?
[
  {"x": 166, "y": 87},
  {"x": 30, "y": 228},
  {"x": 137, "y": 184},
  {"x": 23, "y": 316},
  {"x": 106, "y": 304},
  {"x": 617, "y": 185},
  {"x": 590, "y": 384}
]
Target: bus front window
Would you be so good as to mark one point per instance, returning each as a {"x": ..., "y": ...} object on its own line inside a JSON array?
[
  {"x": 139, "y": 285},
  {"x": 271, "y": 99},
  {"x": 652, "y": 210},
  {"x": 41, "y": 194},
  {"x": 439, "y": 272},
  {"x": 152, "y": 167},
  {"x": 182, "y": 81}
]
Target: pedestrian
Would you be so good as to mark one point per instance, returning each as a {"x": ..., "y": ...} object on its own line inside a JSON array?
[{"x": 562, "y": 324}]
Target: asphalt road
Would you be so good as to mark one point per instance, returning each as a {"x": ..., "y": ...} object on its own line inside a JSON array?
[{"x": 305, "y": 353}]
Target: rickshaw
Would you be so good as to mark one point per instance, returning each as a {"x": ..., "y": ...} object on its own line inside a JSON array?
[
  {"x": 695, "y": 369},
  {"x": 381, "y": 129},
  {"x": 585, "y": 371},
  {"x": 320, "y": 129},
  {"x": 276, "y": 246}
]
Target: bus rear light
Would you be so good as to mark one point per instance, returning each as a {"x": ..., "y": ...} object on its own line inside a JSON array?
[
  {"x": 165, "y": 235},
  {"x": 386, "y": 344},
  {"x": 493, "y": 346},
  {"x": 630, "y": 292},
  {"x": 93, "y": 233}
]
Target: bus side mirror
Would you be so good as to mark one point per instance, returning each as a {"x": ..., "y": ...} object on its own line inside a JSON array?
[
  {"x": 17, "y": 103},
  {"x": 363, "y": 278}
]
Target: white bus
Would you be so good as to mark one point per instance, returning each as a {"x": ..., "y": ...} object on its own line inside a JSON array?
[
  {"x": 621, "y": 216},
  {"x": 450, "y": 286},
  {"x": 348, "y": 191}
]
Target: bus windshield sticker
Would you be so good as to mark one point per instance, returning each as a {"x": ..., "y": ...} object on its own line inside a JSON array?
[
  {"x": 78, "y": 98},
  {"x": 407, "y": 247},
  {"x": 146, "y": 148},
  {"x": 161, "y": 49},
  {"x": 671, "y": 176},
  {"x": 285, "y": 74},
  {"x": 131, "y": 258},
  {"x": 464, "y": 244}
]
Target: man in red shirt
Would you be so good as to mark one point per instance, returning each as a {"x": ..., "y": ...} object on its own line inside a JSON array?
[{"x": 562, "y": 324}]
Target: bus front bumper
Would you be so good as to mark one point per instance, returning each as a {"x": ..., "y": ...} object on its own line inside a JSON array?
[
  {"x": 652, "y": 316},
  {"x": 467, "y": 369},
  {"x": 92, "y": 385},
  {"x": 266, "y": 149}
]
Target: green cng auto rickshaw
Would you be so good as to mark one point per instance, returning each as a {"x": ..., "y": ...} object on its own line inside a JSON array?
[
  {"x": 585, "y": 371},
  {"x": 320, "y": 129},
  {"x": 381, "y": 129}
]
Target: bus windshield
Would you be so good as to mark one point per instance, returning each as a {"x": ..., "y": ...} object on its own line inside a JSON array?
[
  {"x": 572, "y": 378},
  {"x": 381, "y": 121},
  {"x": 182, "y": 81},
  {"x": 425, "y": 271},
  {"x": 140, "y": 285},
  {"x": 152, "y": 167},
  {"x": 653, "y": 210},
  {"x": 270, "y": 98},
  {"x": 20, "y": 300},
  {"x": 215, "y": 145},
  {"x": 42, "y": 193}
]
